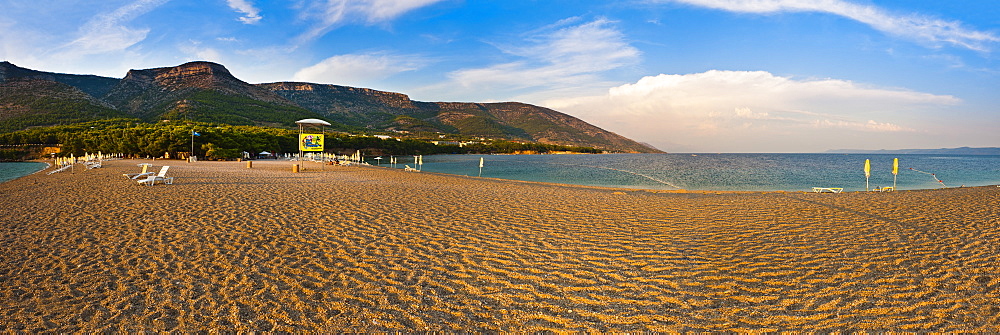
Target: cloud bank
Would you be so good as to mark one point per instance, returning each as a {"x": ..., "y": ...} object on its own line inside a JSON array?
[
  {"x": 108, "y": 32},
  {"x": 251, "y": 14},
  {"x": 916, "y": 27},
  {"x": 735, "y": 111},
  {"x": 357, "y": 69},
  {"x": 329, "y": 14},
  {"x": 566, "y": 56}
]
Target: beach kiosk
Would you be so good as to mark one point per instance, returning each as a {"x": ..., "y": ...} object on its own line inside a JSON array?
[{"x": 311, "y": 142}]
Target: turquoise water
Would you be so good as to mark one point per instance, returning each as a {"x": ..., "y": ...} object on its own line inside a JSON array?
[
  {"x": 10, "y": 171},
  {"x": 713, "y": 172},
  {"x": 725, "y": 172}
]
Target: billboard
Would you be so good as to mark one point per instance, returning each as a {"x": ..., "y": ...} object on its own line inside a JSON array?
[{"x": 311, "y": 142}]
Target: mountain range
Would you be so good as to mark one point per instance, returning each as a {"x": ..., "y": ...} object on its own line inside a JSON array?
[{"x": 208, "y": 92}]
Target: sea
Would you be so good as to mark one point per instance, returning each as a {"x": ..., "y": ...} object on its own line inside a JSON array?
[
  {"x": 725, "y": 171},
  {"x": 707, "y": 172},
  {"x": 14, "y": 170}
]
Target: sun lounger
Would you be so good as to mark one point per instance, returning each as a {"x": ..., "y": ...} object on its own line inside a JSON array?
[
  {"x": 92, "y": 164},
  {"x": 828, "y": 189},
  {"x": 161, "y": 177},
  {"x": 408, "y": 168},
  {"x": 885, "y": 189},
  {"x": 145, "y": 172},
  {"x": 64, "y": 168}
]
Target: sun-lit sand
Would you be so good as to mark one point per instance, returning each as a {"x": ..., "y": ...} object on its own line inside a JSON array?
[{"x": 228, "y": 248}]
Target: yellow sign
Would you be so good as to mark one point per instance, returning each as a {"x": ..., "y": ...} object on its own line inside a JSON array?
[{"x": 311, "y": 142}]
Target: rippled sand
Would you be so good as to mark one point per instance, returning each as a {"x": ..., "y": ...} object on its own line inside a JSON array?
[{"x": 366, "y": 249}]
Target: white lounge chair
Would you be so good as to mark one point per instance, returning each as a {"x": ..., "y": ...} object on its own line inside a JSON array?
[
  {"x": 92, "y": 164},
  {"x": 408, "y": 168},
  {"x": 161, "y": 177},
  {"x": 64, "y": 168},
  {"x": 828, "y": 189},
  {"x": 145, "y": 172}
]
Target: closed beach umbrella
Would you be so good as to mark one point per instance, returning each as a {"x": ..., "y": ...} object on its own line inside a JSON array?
[
  {"x": 895, "y": 170},
  {"x": 868, "y": 173}
]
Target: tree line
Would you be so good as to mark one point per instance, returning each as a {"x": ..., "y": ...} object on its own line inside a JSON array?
[{"x": 221, "y": 141}]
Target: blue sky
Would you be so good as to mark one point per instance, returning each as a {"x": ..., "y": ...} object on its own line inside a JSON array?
[{"x": 683, "y": 75}]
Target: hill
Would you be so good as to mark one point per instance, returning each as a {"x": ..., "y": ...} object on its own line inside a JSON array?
[
  {"x": 396, "y": 112},
  {"x": 201, "y": 91},
  {"x": 208, "y": 92},
  {"x": 28, "y": 102},
  {"x": 94, "y": 86},
  {"x": 33, "y": 98}
]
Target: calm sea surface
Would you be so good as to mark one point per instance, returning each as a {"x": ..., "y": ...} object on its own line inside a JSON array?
[
  {"x": 725, "y": 172},
  {"x": 10, "y": 171},
  {"x": 713, "y": 172}
]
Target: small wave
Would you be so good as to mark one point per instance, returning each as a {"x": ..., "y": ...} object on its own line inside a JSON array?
[{"x": 947, "y": 157}]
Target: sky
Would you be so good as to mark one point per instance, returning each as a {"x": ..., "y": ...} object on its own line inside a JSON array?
[{"x": 681, "y": 75}]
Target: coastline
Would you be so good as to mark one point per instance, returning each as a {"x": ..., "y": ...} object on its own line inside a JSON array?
[
  {"x": 727, "y": 172},
  {"x": 47, "y": 165},
  {"x": 377, "y": 249}
]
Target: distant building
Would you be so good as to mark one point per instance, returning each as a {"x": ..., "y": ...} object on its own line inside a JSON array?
[{"x": 461, "y": 144}]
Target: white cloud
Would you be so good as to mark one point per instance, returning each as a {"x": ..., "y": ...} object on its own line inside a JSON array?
[
  {"x": 331, "y": 13},
  {"x": 871, "y": 125},
  {"x": 557, "y": 58},
  {"x": 196, "y": 52},
  {"x": 385, "y": 10},
  {"x": 357, "y": 69},
  {"x": 101, "y": 42},
  {"x": 14, "y": 45},
  {"x": 743, "y": 110},
  {"x": 917, "y": 27},
  {"x": 108, "y": 33},
  {"x": 251, "y": 14}
]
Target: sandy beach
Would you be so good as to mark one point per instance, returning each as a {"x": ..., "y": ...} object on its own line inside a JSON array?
[{"x": 226, "y": 248}]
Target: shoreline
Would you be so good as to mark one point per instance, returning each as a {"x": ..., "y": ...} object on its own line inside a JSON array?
[
  {"x": 335, "y": 249},
  {"x": 649, "y": 189},
  {"x": 47, "y": 166},
  {"x": 687, "y": 173},
  {"x": 621, "y": 188}
]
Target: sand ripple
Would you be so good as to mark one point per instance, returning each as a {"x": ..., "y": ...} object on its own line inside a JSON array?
[{"x": 363, "y": 249}]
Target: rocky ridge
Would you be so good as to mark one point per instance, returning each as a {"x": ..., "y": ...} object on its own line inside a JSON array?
[{"x": 206, "y": 91}]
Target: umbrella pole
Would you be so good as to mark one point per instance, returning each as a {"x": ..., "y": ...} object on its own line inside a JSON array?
[{"x": 300, "y": 145}]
